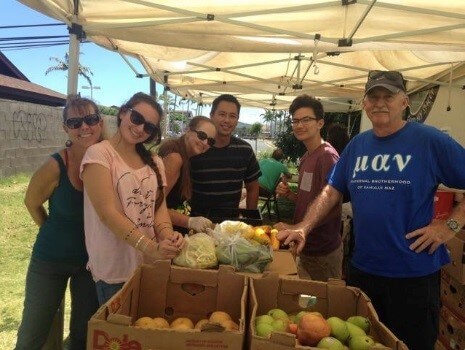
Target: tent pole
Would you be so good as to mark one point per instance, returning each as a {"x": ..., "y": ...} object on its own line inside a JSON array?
[{"x": 73, "y": 67}]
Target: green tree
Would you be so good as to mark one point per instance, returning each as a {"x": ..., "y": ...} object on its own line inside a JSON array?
[
  {"x": 269, "y": 117},
  {"x": 292, "y": 148},
  {"x": 63, "y": 65},
  {"x": 108, "y": 110},
  {"x": 255, "y": 130}
]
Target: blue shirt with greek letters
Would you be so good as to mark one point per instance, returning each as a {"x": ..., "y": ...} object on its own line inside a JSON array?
[{"x": 392, "y": 181}]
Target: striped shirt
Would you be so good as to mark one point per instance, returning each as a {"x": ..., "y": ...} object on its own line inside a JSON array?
[{"x": 218, "y": 176}]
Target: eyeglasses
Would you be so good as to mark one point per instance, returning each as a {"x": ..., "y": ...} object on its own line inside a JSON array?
[
  {"x": 391, "y": 75},
  {"x": 138, "y": 119},
  {"x": 303, "y": 121},
  {"x": 202, "y": 135},
  {"x": 76, "y": 122}
]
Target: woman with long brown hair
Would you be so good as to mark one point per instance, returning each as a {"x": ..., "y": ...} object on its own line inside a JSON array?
[
  {"x": 176, "y": 154},
  {"x": 126, "y": 219}
]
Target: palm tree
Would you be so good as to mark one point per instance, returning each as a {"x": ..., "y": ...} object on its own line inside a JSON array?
[
  {"x": 269, "y": 117},
  {"x": 63, "y": 65}
]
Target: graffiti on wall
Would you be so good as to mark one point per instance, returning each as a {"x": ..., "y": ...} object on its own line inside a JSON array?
[{"x": 29, "y": 126}]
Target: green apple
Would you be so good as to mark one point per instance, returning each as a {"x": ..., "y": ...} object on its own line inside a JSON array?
[
  {"x": 278, "y": 313},
  {"x": 280, "y": 325},
  {"x": 292, "y": 318},
  {"x": 339, "y": 328},
  {"x": 354, "y": 330},
  {"x": 330, "y": 343},
  {"x": 264, "y": 319},
  {"x": 363, "y": 322},
  {"x": 264, "y": 329},
  {"x": 361, "y": 342}
]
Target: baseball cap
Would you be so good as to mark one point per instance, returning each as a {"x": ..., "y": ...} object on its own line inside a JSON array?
[{"x": 391, "y": 80}]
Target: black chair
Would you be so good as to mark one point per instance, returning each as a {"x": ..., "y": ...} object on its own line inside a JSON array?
[{"x": 268, "y": 199}]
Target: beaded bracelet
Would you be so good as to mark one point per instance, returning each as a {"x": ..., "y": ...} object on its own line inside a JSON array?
[
  {"x": 144, "y": 245},
  {"x": 138, "y": 241}
]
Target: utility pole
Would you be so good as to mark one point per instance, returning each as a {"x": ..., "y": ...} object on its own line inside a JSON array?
[{"x": 92, "y": 88}]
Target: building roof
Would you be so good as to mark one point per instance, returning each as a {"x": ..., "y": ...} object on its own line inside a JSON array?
[{"x": 14, "y": 85}]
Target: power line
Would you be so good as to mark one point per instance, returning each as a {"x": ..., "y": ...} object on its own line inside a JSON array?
[
  {"x": 32, "y": 25},
  {"x": 34, "y": 37}
]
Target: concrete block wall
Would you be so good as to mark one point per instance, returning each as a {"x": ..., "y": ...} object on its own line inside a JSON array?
[{"x": 29, "y": 133}]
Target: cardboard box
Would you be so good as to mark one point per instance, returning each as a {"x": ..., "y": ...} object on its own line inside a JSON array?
[
  {"x": 162, "y": 290},
  {"x": 456, "y": 247},
  {"x": 283, "y": 263},
  {"x": 453, "y": 294},
  {"x": 451, "y": 329},
  {"x": 330, "y": 299}
]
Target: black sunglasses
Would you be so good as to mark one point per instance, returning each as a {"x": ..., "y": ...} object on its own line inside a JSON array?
[
  {"x": 76, "y": 122},
  {"x": 391, "y": 75},
  {"x": 138, "y": 119},
  {"x": 202, "y": 135}
]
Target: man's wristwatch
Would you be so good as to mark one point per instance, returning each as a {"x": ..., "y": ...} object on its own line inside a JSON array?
[{"x": 453, "y": 225}]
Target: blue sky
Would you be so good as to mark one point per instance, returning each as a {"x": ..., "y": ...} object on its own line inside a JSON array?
[{"x": 112, "y": 74}]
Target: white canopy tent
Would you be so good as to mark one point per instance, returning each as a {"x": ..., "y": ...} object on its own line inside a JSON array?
[{"x": 267, "y": 52}]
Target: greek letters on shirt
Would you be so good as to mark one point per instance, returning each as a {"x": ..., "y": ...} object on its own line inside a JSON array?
[
  {"x": 381, "y": 162},
  {"x": 393, "y": 166}
]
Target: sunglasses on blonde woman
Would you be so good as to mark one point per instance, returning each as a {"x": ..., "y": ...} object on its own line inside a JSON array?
[
  {"x": 76, "y": 122},
  {"x": 202, "y": 136},
  {"x": 138, "y": 119}
]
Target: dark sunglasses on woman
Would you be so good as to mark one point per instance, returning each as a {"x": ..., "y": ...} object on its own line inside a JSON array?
[
  {"x": 138, "y": 119},
  {"x": 202, "y": 136},
  {"x": 76, "y": 122}
]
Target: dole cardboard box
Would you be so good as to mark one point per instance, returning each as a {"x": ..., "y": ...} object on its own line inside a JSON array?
[
  {"x": 162, "y": 290},
  {"x": 451, "y": 329},
  {"x": 293, "y": 295},
  {"x": 453, "y": 294},
  {"x": 456, "y": 248}
]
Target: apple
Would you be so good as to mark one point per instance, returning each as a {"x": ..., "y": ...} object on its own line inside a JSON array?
[
  {"x": 182, "y": 323},
  {"x": 361, "y": 342},
  {"x": 339, "y": 328},
  {"x": 278, "y": 313},
  {"x": 230, "y": 325},
  {"x": 354, "y": 330},
  {"x": 293, "y": 328},
  {"x": 144, "y": 322},
  {"x": 264, "y": 329},
  {"x": 311, "y": 329},
  {"x": 219, "y": 317},
  {"x": 280, "y": 325},
  {"x": 160, "y": 322},
  {"x": 264, "y": 319},
  {"x": 363, "y": 322},
  {"x": 330, "y": 343},
  {"x": 200, "y": 323}
]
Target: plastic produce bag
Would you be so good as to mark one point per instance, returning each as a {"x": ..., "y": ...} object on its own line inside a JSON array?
[
  {"x": 198, "y": 252},
  {"x": 245, "y": 255}
]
